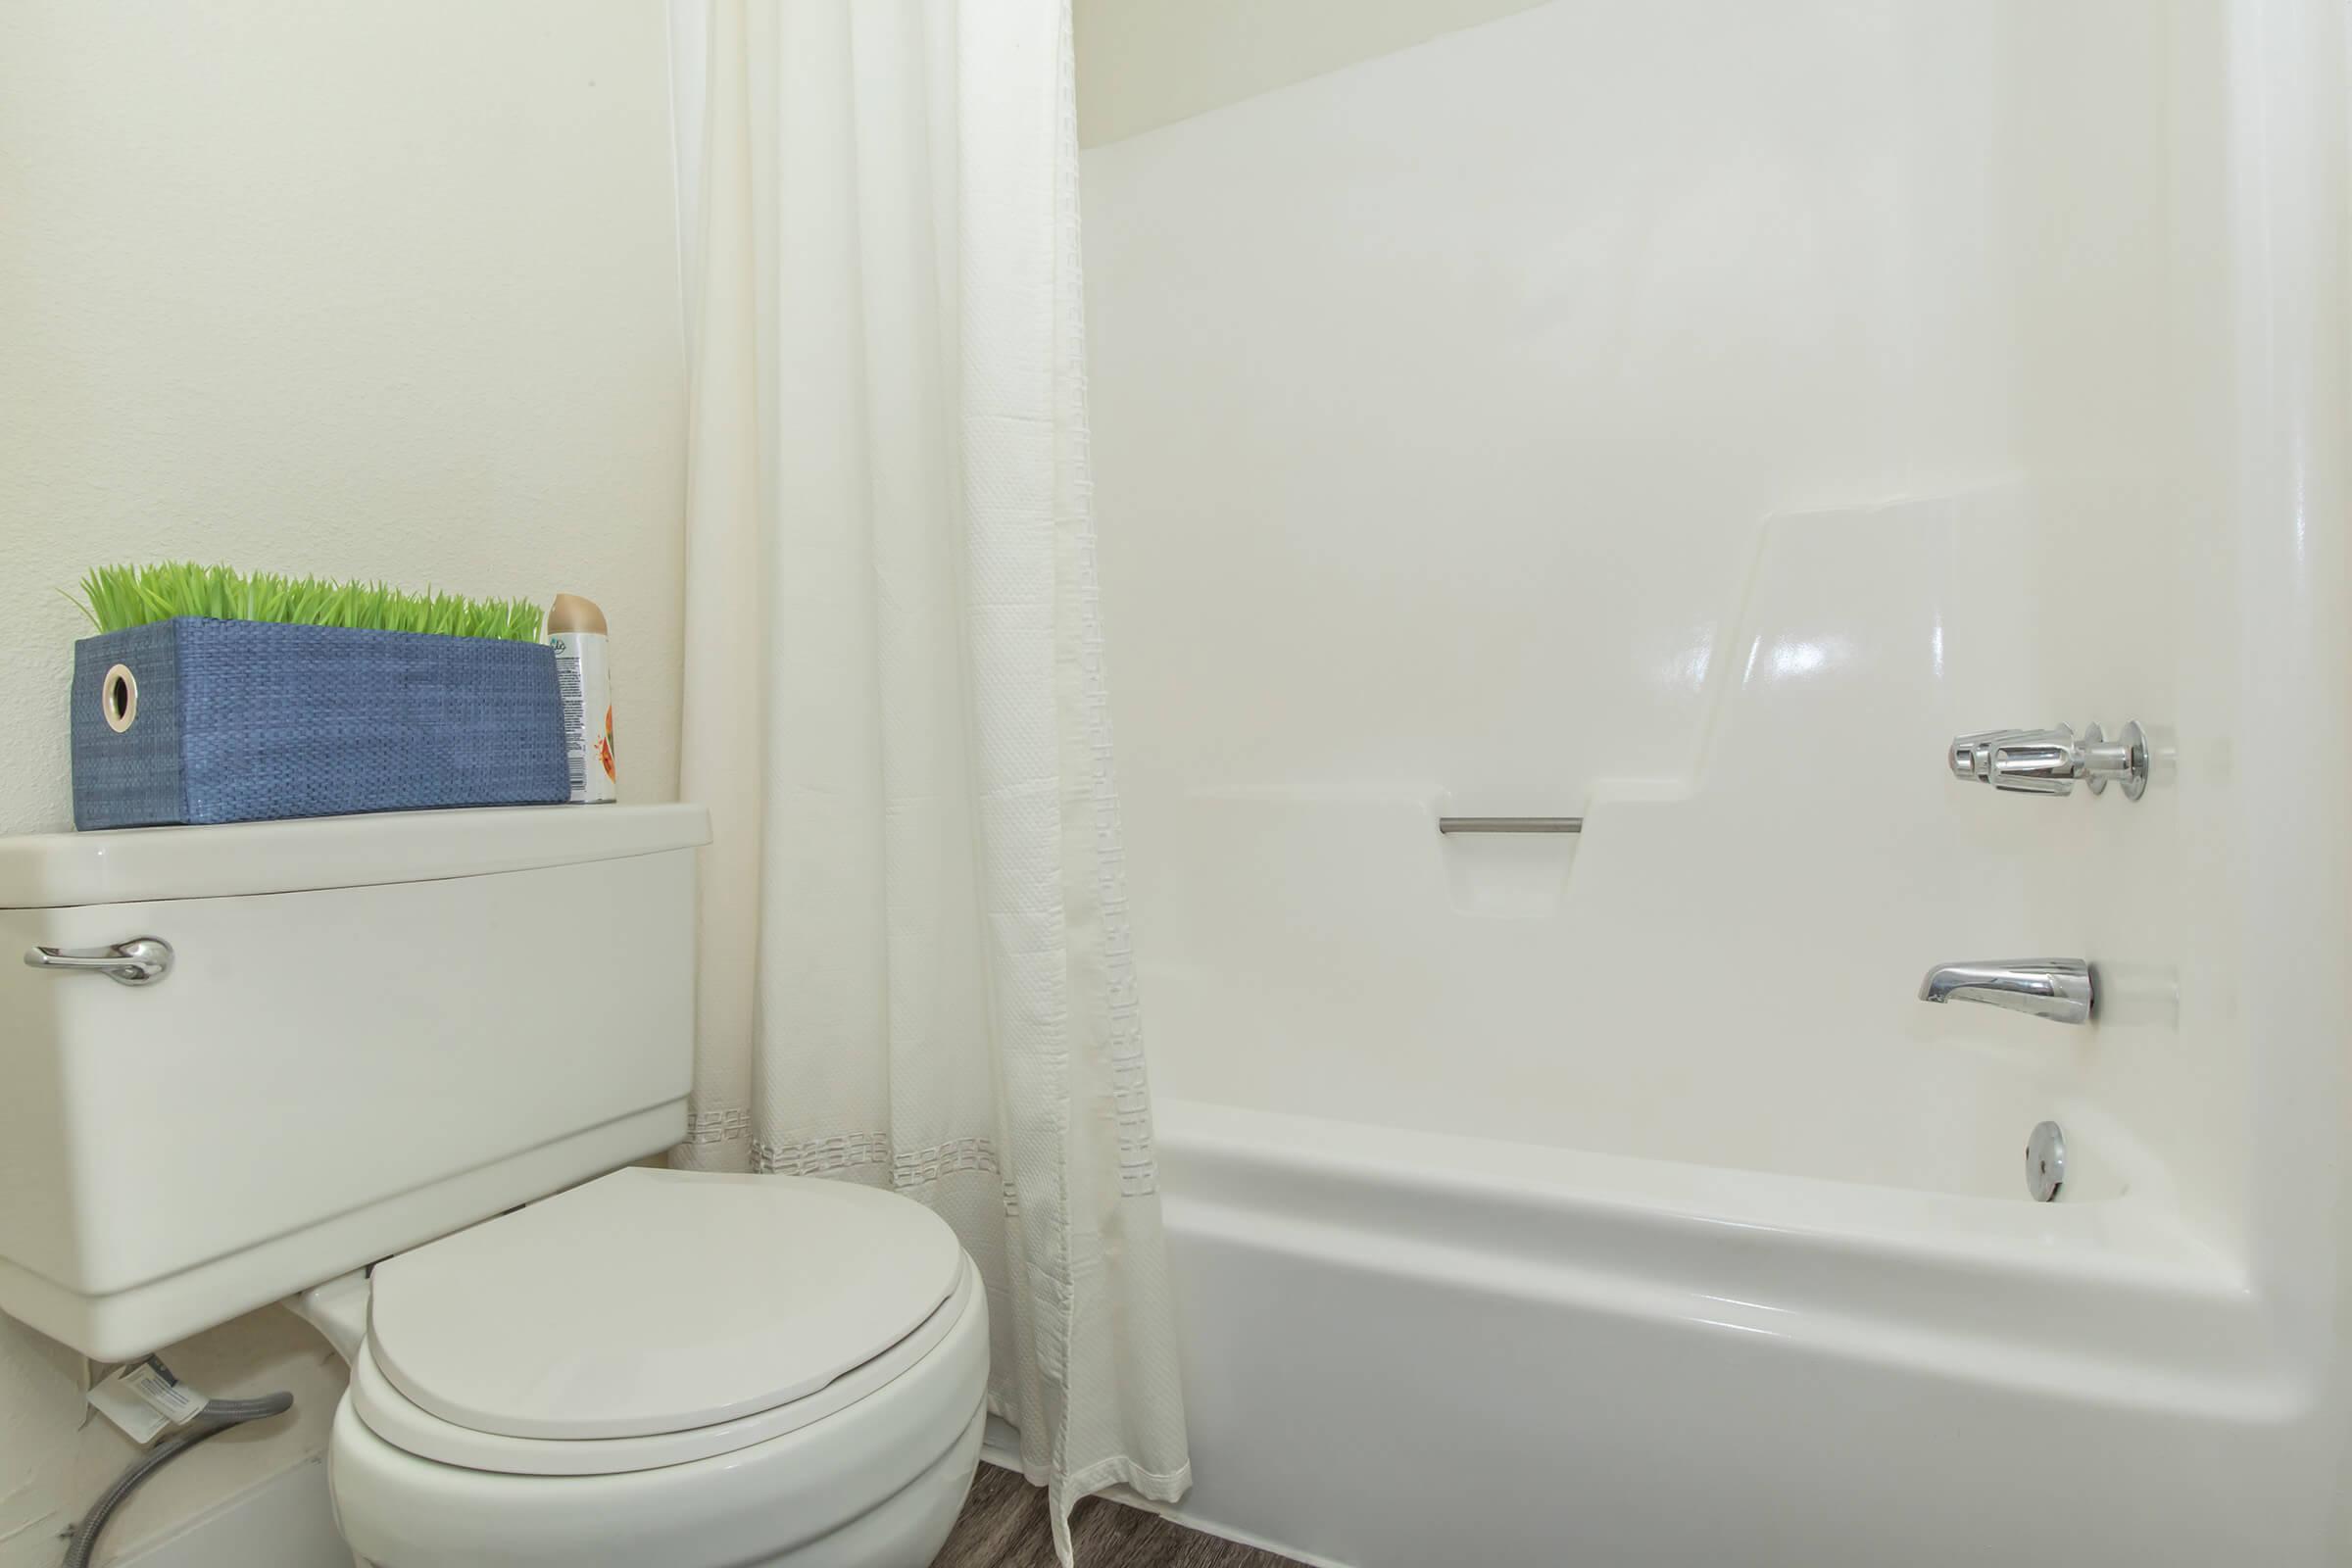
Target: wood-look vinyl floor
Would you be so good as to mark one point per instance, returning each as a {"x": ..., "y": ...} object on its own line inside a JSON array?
[{"x": 1003, "y": 1526}]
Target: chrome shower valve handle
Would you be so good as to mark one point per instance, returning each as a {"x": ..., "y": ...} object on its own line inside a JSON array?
[
  {"x": 2050, "y": 761},
  {"x": 2041, "y": 762},
  {"x": 1971, "y": 755},
  {"x": 2123, "y": 760}
]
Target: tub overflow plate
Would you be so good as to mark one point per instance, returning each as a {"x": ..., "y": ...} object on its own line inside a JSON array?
[{"x": 2045, "y": 1162}]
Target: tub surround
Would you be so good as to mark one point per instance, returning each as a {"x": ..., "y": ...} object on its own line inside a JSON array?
[
  {"x": 1690, "y": 422},
  {"x": 1641, "y": 987}
]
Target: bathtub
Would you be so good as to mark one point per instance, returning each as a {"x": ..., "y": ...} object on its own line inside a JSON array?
[{"x": 1413, "y": 1349}]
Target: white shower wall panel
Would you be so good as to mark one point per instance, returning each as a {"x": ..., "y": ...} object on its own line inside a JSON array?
[
  {"x": 1437, "y": 400},
  {"x": 1689, "y": 416}
]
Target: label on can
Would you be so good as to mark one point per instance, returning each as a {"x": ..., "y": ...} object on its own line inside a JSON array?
[{"x": 584, "y": 684}]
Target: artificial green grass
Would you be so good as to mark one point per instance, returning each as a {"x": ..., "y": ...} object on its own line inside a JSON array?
[{"x": 116, "y": 598}]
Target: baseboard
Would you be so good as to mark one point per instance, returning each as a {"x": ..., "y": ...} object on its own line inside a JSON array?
[{"x": 286, "y": 1521}]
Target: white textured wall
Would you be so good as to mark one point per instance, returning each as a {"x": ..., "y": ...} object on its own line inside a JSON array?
[
  {"x": 381, "y": 290},
  {"x": 386, "y": 290}
]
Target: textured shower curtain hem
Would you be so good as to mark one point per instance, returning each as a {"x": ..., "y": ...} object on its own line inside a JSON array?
[{"x": 1119, "y": 1470}]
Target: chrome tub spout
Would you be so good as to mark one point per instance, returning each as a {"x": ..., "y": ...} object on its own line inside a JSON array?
[{"x": 2061, "y": 989}]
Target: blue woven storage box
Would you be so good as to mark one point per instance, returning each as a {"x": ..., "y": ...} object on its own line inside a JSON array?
[{"x": 197, "y": 720}]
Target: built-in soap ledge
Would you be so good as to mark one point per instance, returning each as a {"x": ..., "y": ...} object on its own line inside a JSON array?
[{"x": 1507, "y": 865}]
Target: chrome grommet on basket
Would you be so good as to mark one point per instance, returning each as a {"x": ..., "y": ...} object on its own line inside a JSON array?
[{"x": 118, "y": 697}]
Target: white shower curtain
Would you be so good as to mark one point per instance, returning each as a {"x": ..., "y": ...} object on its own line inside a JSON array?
[{"x": 916, "y": 970}]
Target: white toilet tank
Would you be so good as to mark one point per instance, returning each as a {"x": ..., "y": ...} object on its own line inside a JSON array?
[{"x": 374, "y": 1030}]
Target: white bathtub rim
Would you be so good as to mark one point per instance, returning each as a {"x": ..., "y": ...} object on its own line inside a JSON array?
[
  {"x": 2137, "y": 1236},
  {"x": 2123, "y": 1307},
  {"x": 2224, "y": 1369}
]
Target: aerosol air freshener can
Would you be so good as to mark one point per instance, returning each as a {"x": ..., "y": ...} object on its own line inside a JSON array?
[{"x": 575, "y": 630}]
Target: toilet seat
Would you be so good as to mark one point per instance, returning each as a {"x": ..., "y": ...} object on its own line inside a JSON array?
[
  {"x": 875, "y": 1484},
  {"x": 582, "y": 1335},
  {"x": 391, "y": 1415}
]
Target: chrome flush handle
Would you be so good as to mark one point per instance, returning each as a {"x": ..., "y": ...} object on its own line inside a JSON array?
[{"x": 141, "y": 961}]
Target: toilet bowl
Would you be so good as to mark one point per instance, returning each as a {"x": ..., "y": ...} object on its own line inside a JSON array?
[{"x": 663, "y": 1368}]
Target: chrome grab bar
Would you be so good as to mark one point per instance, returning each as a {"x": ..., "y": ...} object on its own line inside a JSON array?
[{"x": 1511, "y": 824}]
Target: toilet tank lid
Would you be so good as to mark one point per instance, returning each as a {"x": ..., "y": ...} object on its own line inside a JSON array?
[{"x": 142, "y": 865}]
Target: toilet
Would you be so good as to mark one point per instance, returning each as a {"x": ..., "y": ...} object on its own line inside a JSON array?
[{"x": 393, "y": 1071}]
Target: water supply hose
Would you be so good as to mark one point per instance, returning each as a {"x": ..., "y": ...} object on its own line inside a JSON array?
[{"x": 217, "y": 1417}]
